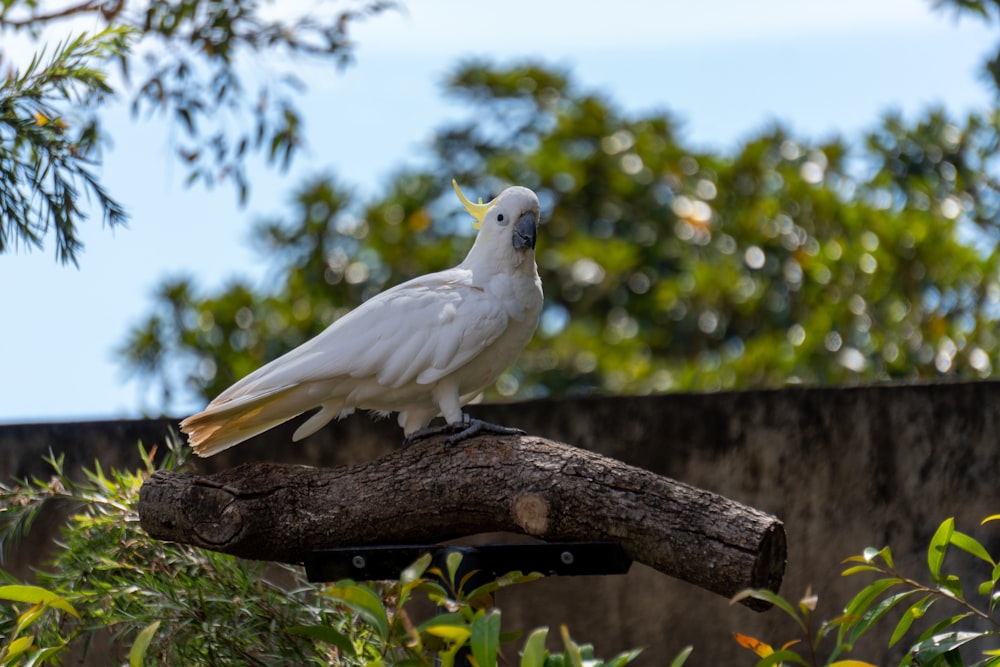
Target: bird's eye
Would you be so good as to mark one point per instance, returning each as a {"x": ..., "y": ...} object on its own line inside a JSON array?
[{"x": 500, "y": 217}]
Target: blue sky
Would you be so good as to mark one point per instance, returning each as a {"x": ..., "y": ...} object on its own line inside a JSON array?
[{"x": 725, "y": 68}]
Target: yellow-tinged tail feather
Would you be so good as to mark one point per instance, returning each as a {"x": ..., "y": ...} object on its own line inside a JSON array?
[{"x": 219, "y": 427}]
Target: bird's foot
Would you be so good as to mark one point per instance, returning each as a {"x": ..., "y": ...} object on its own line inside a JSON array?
[
  {"x": 462, "y": 430},
  {"x": 468, "y": 428}
]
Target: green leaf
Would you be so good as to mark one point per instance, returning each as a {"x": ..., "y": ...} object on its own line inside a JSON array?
[
  {"x": 867, "y": 595},
  {"x": 972, "y": 546},
  {"x": 534, "y": 652},
  {"x": 916, "y": 610},
  {"x": 681, "y": 657},
  {"x": 780, "y": 658},
  {"x": 874, "y": 615},
  {"x": 452, "y": 562},
  {"x": 457, "y": 634},
  {"x": 450, "y": 618},
  {"x": 364, "y": 601},
  {"x": 35, "y": 595},
  {"x": 769, "y": 596},
  {"x": 859, "y": 568},
  {"x": 571, "y": 653},
  {"x": 29, "y": 617},
  {"x": 17, "y": 647},
  {"x": 137, "y": 654},
  {"x": 410, "y": 579},
  {"x": 939, "y": 546},
  {"x": 434, "y": 590},
  {"x": 510, "y": 636},
  {"x": 509, "y": 579},
  {"x": 325, "y": 633},
  {"x": 941, "y": 625},
  {"x": 870, "y": 554},
  {"x": 626, "y": 657},
  {"x": 416, "y": 570},
  {"x": 951, "y": 585},
  {"x": 938, "y": 645},
  {"x": 953, "y": 659},
  {"x": 485, "y": 639},
  {"x": 46, "y": 656}
]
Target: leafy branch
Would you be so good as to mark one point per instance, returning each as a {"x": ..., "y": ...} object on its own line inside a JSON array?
[
  {"x": 108, "y": 9},
  {"x": 937, "y": 645},
  {"x": 189, "y": 72},
  {"x": 45, "y": 156},
  {"x": 466, "y": 623}
]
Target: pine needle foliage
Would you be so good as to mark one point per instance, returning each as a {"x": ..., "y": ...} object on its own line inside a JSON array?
[{"x": 48, "y": 144}]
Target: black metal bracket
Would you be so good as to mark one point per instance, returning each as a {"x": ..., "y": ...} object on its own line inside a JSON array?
[{"x": 378, "y": 563}]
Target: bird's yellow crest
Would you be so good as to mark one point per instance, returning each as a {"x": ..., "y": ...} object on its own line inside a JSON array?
[{"x": 478, "y": 211}]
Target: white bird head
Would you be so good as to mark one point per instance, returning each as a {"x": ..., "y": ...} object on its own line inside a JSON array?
[{"x": 508, "y": 225}]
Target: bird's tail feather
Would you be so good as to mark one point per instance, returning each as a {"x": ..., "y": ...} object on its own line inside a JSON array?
[{"x": 222, "y": 426}]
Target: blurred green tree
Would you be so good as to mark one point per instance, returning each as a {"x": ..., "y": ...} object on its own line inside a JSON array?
[
  {"x": 177, "y": 59},
  {"x": 665, "y": 267}
]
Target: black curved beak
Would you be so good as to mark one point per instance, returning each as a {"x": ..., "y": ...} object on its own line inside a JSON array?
[{"x": 525, "y": 231}]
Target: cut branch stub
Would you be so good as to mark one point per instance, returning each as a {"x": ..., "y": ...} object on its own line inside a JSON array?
[{"x": 431, "y": 492}]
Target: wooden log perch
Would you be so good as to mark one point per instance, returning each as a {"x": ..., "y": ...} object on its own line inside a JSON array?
[{"x": 430, "y": 492}]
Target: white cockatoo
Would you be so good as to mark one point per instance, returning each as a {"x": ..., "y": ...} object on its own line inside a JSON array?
[{"x": 422, "y": 348}]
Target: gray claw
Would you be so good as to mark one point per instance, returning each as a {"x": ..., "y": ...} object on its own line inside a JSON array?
[
  {"x": 462, "y": 430},
  {"x": 474, "y": 427}
]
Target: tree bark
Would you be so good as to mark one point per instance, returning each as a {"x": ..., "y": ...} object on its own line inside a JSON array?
[{"x": 430, "y": 492}]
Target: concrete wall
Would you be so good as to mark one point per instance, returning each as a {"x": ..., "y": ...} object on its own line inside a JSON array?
[{"x": 843, "y": 468}]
